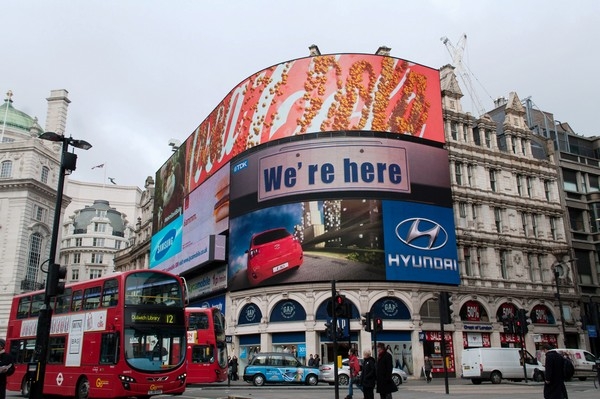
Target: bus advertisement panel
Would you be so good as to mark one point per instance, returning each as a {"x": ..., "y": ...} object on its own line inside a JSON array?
[
  {"x": 207, "y": 351},
  {"x": 119, "y": 336}
]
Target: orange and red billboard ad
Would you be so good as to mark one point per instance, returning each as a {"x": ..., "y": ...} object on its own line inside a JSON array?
[{"x": 317, "y": 94}]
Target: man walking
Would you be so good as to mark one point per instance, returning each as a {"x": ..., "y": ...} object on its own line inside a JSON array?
[
  {"x": 354, "y": 371},
  {"x": 385, "y": 364},
  {"x": 554, "y": 384}
]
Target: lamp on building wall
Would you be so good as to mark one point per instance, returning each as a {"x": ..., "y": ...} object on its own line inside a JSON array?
[{"x": 37, "y": 367}]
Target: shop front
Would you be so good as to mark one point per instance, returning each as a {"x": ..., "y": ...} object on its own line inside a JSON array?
[{"x": 432, "y": 347}]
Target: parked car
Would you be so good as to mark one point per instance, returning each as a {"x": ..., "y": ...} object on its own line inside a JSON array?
[
  {"x": 326, "y": 373},
  {"x": 272, "y": 252},
  {"x": 279, "y": 367}
]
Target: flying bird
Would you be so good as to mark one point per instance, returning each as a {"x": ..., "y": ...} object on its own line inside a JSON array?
[{"x": 112, "y": 180}]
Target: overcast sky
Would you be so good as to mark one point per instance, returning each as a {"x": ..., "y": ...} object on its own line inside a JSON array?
[{"x": 142, "y": 72}]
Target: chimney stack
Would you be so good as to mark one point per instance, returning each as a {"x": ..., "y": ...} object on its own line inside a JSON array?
[{"x": 56, "y": 118}]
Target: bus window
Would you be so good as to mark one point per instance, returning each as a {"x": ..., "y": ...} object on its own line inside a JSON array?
[
  {"x": 110, "y": 293},
  {"x": 76, "y": 304},
  {"x": 56, "y": 350},
  {"x": 63, "y": 302},
  {"x": 109, "y": 348},
  {"x": 24, "y": 306},
  {"x": 91, "y": 298},
  {"x": 36, "y": 304},
  {"x": 22, "y": 350},
  {"x": 202, "y": 354},
  {"x": 198, "y": 321}
]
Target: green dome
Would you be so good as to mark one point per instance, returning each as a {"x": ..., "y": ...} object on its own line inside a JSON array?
[{"x": 16, "y": 119}]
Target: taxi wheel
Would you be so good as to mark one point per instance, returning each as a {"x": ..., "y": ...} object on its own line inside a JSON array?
[
  {"x": 83, "y": 389},
  {"x": 259, "y": 380}
]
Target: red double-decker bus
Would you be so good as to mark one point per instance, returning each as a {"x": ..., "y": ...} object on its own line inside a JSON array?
[
  {"x": 207, "y": 351},
  {"x": 119, "y": 336}
]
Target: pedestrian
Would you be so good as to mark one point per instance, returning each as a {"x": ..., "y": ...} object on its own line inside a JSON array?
[
  {"x": 354, "y": 366},
  {"x": 233, "y": 366},
  {"x": 317, "y": 361},
  {"x": 311, "y": 361},
  {"x": 368, "y": 377},
  {"x": 6, "y": 363},
  {"x": 385, "y": 383},
  {"x": 427, "y": 367},
  {"x": 554, "y": 384},
  {"x": 398, "y": 357}
]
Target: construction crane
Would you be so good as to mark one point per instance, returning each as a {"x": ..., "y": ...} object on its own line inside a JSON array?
[{"x": 463, "y": 72}]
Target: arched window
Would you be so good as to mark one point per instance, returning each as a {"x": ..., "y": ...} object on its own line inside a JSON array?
[
  {"x": 6, "y": 169},
  {"x": 33, "y": 257},
  {"x": 45, "y": 173}
]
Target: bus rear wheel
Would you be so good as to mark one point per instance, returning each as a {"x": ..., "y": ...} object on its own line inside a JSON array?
[
  {"x": 83, "y": 389},
  {"x": 25, "y": 388}
]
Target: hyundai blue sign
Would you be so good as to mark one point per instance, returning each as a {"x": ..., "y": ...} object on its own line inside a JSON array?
[{"x": 420, "y": 243}]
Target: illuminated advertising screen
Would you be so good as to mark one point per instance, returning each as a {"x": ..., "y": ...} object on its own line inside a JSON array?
[
  {"x": 317, "y": 94},
  {"x": 166, "y": 243},
  {"x": 341, "y": 208},
  {"x": 169, "y": 191}
]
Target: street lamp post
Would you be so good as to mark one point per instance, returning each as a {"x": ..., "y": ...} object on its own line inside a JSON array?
[
  {"x": 37, "y": 367},
  {"x": 558, "y": 271}
]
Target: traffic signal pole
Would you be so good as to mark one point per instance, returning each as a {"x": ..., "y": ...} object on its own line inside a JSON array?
[{"x": 334, "y": 338}]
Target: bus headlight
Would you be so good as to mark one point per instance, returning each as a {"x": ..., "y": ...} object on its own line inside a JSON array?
[
  {"x": 181, "y": 378},
  {"x": 126, "y": 381}
]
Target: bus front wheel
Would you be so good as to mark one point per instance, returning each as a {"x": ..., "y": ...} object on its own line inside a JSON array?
[
  {"x": 83, "y": 389},
  {"x": 25, "y": 388}
]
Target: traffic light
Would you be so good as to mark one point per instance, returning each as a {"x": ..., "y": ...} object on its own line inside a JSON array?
[
  {"x": 445, "y": 307},
  {"x": 329, "y": 330},
  {"x": 522, "y": 322},
  {"x": 342, "y": 307},
  {"x": 509, "y": 324},
  {"x": 366, "y": 322},
  {"x": 54, "y": 285},
  {"x": 378, "y": 324}
]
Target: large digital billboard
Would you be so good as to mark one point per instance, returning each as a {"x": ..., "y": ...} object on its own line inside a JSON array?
[
  {"x": 360, "y": 208},
  {"x": 317, "y": 94}
]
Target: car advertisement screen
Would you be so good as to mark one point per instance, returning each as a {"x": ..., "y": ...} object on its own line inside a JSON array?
[
  {"x": 342, "y": 208},
  {"x": 343, "y": 239}
]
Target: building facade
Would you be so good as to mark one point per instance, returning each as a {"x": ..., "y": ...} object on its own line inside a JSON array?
[{"x": 28, "y": 180}]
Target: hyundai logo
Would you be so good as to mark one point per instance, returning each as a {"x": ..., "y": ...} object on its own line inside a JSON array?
[{"x": 422, "y": 234}]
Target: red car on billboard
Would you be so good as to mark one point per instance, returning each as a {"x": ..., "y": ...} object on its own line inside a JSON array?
[{"x": 272, "y": 252}]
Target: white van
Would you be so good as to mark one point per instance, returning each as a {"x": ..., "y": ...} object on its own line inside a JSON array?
[
  {"x": 584, "y": 362},
  {"x": 496, "y": 364}
]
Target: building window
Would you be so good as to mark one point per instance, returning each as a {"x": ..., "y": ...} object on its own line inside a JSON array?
[
  {"x": 525, "y": 224},
  {"x": 97, "y": 258},
  {"x": 45, "y": 173},
  {"x": 100, "y": 227},
  {"x": 462, "y": 209},
  {"x": 498, "y": 219},
  {"x": 458, "y": 173},
  {"x": 488, "y": 138},
  {"x": 78, "y": 242},
  {"x": 74, "y": 274},
  {"x": 470, "y": 174},
  {"x": 476, "y": 137},
  {"x": 468, "y": 266},
  {"x": 540, "y": 262},
  {"x": 117, "y": 244},
  {"x": 95, "y": 273},
  {"x": 531, "y": 266},
  {"x": 504, "y": 264},
  {"x": 534, "y": 224},
  {"x": 474, "y": 211},
  {"x": 493, "y": 182},
  {"x": 454, "y": 130},
  {"x": 583, "y": 184},
  {"x": 547, "y": 186},
  {"x": 76, "y": 259},
  {"x": 524, "y": 146},
  {"x": 100, "y": 213},
  {"x": 553, "y": 231},
  {"x": 513, "y": 142},
  {"x": 520, "y": 185},
  {"x": 6, "y": 170},
  {"x": 570, "y": 180},
  {"x": 465, "y": 134},
  {"x": 529, "y": 186},
  {"x": 478, "y": 264},
  {"x": 98, "y": 242},
  {"x": 39, "y": 213},
  {"x": 33, "y": 257}
]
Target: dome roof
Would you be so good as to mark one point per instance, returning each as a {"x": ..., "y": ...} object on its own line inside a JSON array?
[
  {"x": 16, "y": 119},
  {"x": 84, "y": 217}
]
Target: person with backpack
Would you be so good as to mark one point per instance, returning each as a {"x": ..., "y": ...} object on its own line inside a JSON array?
[
  {"x": 554, "y": 384},
  {"x": 6, "y": 368}
]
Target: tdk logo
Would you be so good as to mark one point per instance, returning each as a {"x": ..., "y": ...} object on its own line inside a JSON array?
[
  {"x": 165, "y": 244},
  {"x": 240, "y": 166},
  {"x": 423, "y": 234}
]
